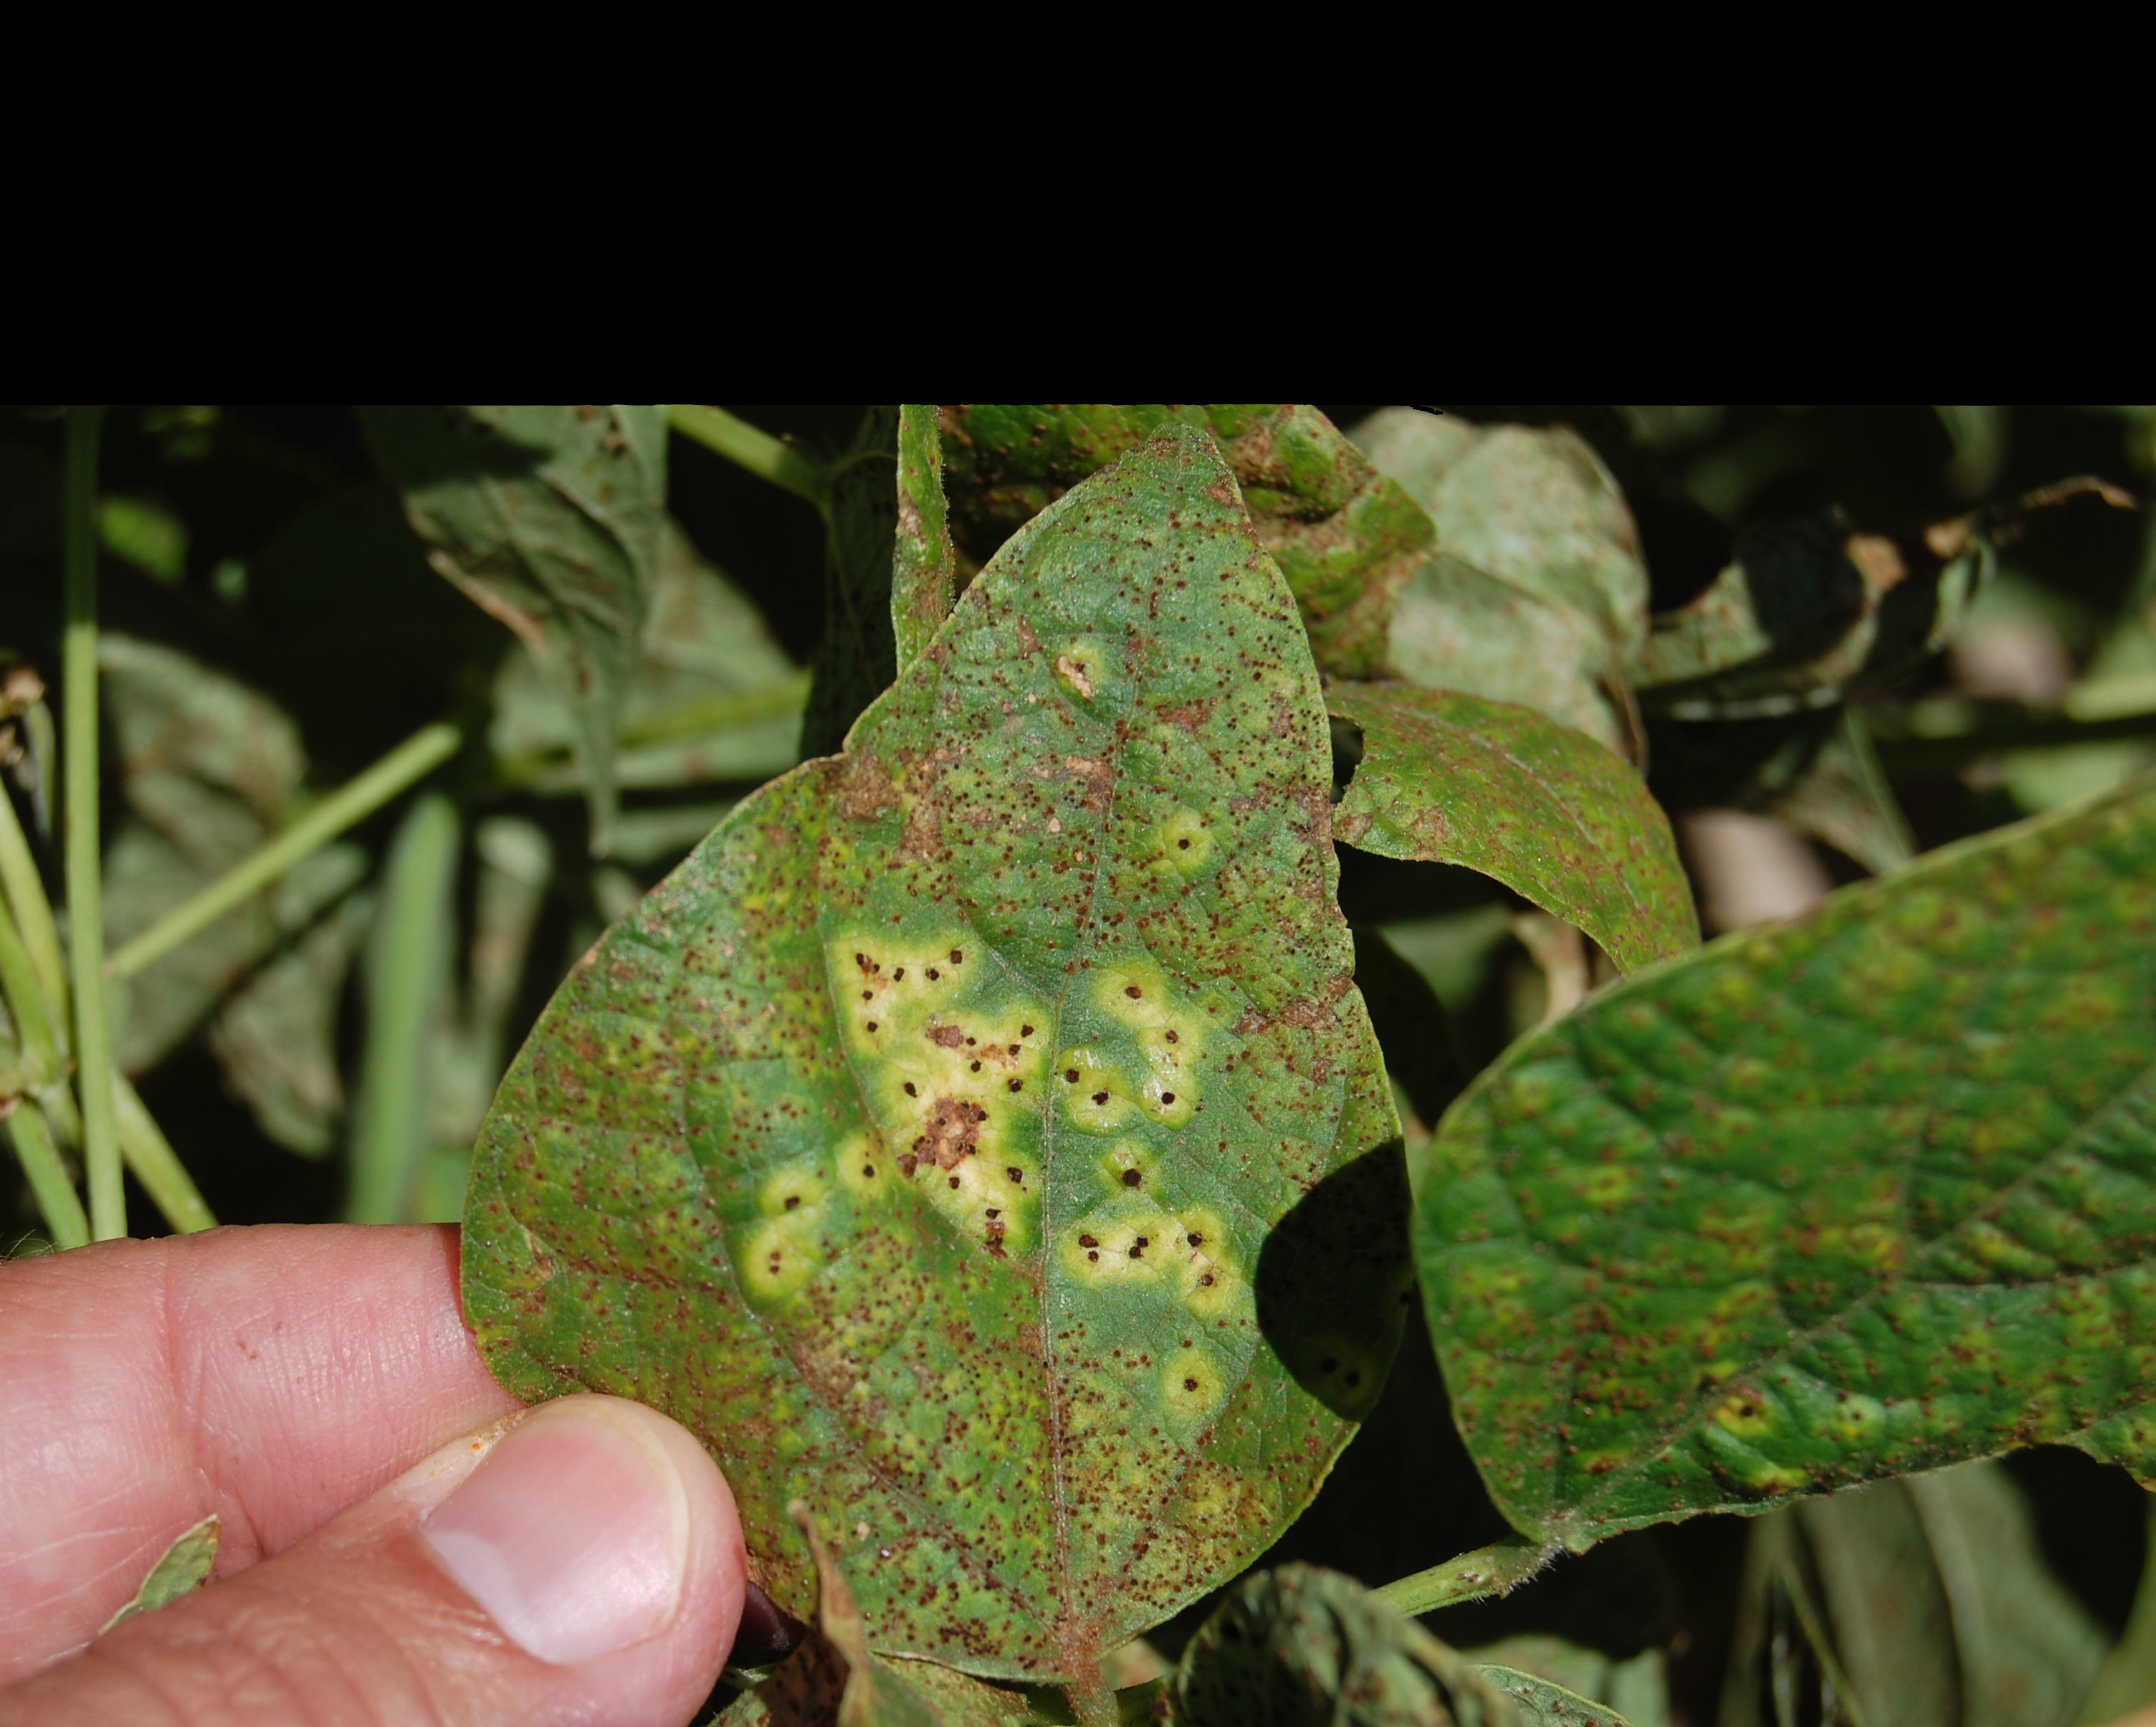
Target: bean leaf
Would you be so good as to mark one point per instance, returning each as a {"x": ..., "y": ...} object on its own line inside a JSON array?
[
  {"x": 1303, "y": 1647},
  {"x": 1345, "y": 537},
  {"x": 180, "y": 1568},
  {"x": 1452, "y": 778},
  {"x": 549, "y": 518},
  {"x": 924, "y": 575},
  {"x": 1535, "y": 592},
  {"x": 1869, "y": 1193},
  {"x": 970, "y": 1139}
]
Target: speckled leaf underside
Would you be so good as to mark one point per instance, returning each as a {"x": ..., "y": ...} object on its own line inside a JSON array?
[
  {"x": 1448, "y": 778},
  {"x": 968, "y": 1138},
  {"x": 1869, "y": 1193}
]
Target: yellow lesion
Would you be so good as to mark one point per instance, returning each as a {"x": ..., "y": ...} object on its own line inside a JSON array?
[
  {"x": 796, "y": 1187},
  {"x": 1108, "y": 1249},
  {"x": 1127, "y": 1171},
  {"x": 1095, "y": 1097},
  {"x": 1186, "y": 841},
  {"x": 865, "y": 1167},
  {"x": 1201, "y": 1267},
  {"x": 1191, "y": 1386},
  {"x": 985, "y": 1202},
  {"x": 1746, "y": 1415},
  {"x": 780, "y": 1254}
]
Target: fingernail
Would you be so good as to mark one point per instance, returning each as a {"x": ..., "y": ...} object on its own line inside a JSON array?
[{"x": 573, "y": 1532}]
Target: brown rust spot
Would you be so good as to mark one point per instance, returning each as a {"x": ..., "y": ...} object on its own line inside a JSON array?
[{"x": 951, "y": 1133}]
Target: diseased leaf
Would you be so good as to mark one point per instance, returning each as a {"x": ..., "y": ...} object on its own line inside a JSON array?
[
  {"x": 550, "y": 519},
  {"x": 1868, "y": 1192},
  {"x": 181, "y": 1569},
  {"x": 1924, "y": 1602},
  {"x": 858, "y": 657},
  {"x": 1345, "y": 536},
  {"x": 1300, "y": 1647},
  {"x": 712, "y": 697},
  {"x": 1541, "y": 1703},
  {"x": 968, "y": 1139},
  {"x": 1447, "y": 778},
  {"x": 924, "y": 573},
  {"x": 1535, "y": 593},
  {"x": 832, "y": 1680}
]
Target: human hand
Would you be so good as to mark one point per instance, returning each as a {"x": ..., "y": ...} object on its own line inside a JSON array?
[{"x": 400, "y": 1542}]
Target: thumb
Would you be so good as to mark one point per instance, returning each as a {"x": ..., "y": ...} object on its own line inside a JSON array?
[{"x": 581, "y": 1562}]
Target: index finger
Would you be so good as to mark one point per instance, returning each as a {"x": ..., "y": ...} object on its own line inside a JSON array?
[{"x": 273, "y": 1375}]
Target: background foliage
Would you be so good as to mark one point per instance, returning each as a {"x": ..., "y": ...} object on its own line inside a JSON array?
[{"x": 666, "y": 617}]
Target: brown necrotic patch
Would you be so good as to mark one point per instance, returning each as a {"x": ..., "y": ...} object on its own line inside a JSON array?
[{"x": 950, "y": 1134}]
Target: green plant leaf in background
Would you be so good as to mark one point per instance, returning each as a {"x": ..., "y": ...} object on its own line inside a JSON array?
[
  {"x": 924, "y": 580},
  {"x": 970, "y": 1139},
  {"x": 276, "y": 1036},
  {"x": 1805, "y": 608},
  {"x": 858, "y": 657},
  {"x": 1447, "y": 778},
  {"x": 1925, "y": 1603},
  {"x": 1534, "y": 592},
  {"x": 209, "y": 770},
  {"x": 550, "y": 519},
  {"x": 712, "y": 699},
  {"x": 1303, "y": 1647},
  {"x": 1848, "y": 1197},
  {"x": 1344, "y": 535},
  {"x": 182, "y": 1569},
  {"x": 1540, "y": 1703}
]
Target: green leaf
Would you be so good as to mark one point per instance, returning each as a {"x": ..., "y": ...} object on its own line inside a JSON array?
[
  {"x": 210, "y": 771},
  {"x": 1302, "y": 1646},
  {"x": 181, "y": 1569},
  {"x": 275, "y": 1036},
  {"x": 1536, "y": 593},
  {"x": 1864, "y": 1194},
  {"x": 1345, "y": 537},
  {"x": 924, "y": 573},
  {"x": 1840, "y": 795},
  {"x": 1540, "y": 1671},
  {"x": 1541, "y": 1703},
  {"x": 550, "y": 519},
  {"x": 1049, "y": 1358},
  {"x": 1454, "y": 778},
  {"x": 858, "y": 657},
  {"x": 712, "y": 697},
  {"x": 1924, "y": 1600}
]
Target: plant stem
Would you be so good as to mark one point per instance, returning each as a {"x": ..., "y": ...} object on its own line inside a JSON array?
[
  {"x": 754, "y": 449},
  {"x": 1913, "y": 754},
  {"x": 353, "y": 802},
  {"x": 156, "y": 1164},
  {"x": 92, "y": 1038},
  {"x": 49, "y": 1178},
  {"x": 26, "y": 1004},
  {"x": 405, "y": 974},
  {"x": 33, "y": 916},
  {"x": 1495, "y": 1569}
]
